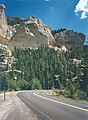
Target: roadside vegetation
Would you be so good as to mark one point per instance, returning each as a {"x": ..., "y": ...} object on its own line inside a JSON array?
[{"x": 46, "y": 68}]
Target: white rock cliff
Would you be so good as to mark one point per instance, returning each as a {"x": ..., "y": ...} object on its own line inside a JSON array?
[{"x": 3, "y": 22}]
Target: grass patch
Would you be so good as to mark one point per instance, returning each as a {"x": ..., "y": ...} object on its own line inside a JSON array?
[{"x": 57, "y": 93}]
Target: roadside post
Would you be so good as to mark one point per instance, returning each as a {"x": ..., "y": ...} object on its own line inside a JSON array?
[{"x": 4, "y": 94}]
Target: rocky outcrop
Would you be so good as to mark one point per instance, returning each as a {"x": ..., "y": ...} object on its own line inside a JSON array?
[
  {"x": 3, "y": 22},
  {"x": 6, "y": 58},
  {"x": 69, "y": 38},
  {"x": 32, "y": 34}
]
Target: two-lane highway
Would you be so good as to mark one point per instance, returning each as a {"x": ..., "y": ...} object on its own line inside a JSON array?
[{"x": 47, "y": 107}]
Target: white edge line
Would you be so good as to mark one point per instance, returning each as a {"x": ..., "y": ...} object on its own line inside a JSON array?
[{"x": 65, "y": 104}]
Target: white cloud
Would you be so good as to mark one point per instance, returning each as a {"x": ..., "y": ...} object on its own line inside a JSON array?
[
  {"x": 82, "y": 7},
  {"x": 47, "y": 0}
]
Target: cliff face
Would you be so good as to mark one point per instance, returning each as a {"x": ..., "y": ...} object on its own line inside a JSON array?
[
  {"x": 69, "y": 38},
  {"x": 32, "y": 34}
]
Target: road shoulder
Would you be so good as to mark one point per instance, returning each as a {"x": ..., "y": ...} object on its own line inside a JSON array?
[{"x": 14, "y": 109}]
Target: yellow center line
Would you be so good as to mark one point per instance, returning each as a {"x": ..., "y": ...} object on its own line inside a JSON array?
[{"x": 65, "y": 104}]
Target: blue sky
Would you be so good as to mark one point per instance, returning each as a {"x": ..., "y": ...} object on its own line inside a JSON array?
[{"x": 54, "y": 13}]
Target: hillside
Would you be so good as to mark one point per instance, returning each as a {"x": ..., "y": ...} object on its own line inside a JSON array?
[{"x": 44, "y": 68}]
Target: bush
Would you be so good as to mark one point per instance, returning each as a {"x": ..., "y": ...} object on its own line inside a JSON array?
[
  {"x": 79, "y": 95},
  {"x": 61, "y": 92},
  {"x": 56, "y": 91},
  {"x": 75, "y": 96},
  {"x": 35, "y": 84},
  {"x": 23, "y": 84},
  {"x": 67, "y": 94},
  {"x": 13, "y": 85},
  {"x": 64, "y": 93},
  {"x": 18, "y": 85}
]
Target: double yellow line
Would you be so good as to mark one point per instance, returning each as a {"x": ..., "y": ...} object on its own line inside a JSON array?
[{"x": 62, "y": 103}]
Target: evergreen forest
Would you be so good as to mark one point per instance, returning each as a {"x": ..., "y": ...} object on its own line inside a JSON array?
[{"x": 46, "y": 68}]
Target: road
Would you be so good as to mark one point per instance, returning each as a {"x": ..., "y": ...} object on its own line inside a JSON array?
[{"x": 48, "y": 107}]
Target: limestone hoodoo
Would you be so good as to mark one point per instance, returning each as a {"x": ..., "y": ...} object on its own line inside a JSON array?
[{"x": 3, "y": 21}]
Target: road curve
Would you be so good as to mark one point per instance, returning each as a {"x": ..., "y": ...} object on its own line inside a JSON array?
[{"x": 47, "y": 107}]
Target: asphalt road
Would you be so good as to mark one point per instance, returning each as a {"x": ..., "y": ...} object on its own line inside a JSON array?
[{"x": 47, "y": 107}]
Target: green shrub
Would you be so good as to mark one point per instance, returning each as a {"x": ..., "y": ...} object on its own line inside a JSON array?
[
  {"x": 79, "y": 95},
  {"x": 56, "y": 91},
  {"x": 35, "y": 84},
  {"x": 67, "y": 94}
]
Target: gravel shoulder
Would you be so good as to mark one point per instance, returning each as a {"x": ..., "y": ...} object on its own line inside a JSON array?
[{"x": 14, "y": 109}]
